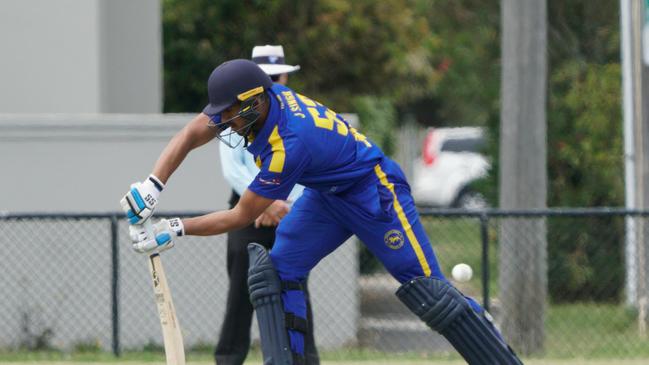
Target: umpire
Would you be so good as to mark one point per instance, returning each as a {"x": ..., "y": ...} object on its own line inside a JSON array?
[{"x": 239, "y": 169}]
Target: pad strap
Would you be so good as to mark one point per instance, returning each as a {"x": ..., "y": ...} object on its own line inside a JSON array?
[
  {"x": 298, "y": 359},
  {"x": 292, "y": 285},
  {"x": 295, "y": 323}
]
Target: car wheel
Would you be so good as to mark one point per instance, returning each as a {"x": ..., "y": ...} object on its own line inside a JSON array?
[{"x": 470, "y": 199}]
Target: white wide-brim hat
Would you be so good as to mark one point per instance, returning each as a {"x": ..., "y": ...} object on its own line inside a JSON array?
[{"x": 271, "y": 60}]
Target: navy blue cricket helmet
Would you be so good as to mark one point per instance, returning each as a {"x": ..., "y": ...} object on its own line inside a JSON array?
[{"x": 232, "y": 81}]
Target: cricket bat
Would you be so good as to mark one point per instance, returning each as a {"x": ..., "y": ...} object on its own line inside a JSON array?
[{"x": 173, "y": 339}]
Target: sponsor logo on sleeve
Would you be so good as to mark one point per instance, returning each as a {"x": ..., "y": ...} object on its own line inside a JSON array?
[{"x": 273, "y": 181}]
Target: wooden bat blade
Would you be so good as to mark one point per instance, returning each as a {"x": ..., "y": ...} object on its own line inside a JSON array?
[{"x": 173, "y": 340}]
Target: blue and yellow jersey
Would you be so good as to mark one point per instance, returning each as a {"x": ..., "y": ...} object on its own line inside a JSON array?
[{"x": 302, "y": 141}]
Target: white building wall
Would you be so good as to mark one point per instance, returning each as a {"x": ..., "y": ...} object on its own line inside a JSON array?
[
  {"x": 50, "y": 56},
  {"x": 80, "y": 56},
  {"x": 131, "y": 56},
  {"x": 85, "y": 163}
]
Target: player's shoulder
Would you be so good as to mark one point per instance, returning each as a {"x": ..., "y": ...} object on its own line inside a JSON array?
[
  {"x": 289, "y": 101},
  {"x": 295, "y": 105},
  {"x": 289, "y": 124},
  {"x": 282, "y": 134}
]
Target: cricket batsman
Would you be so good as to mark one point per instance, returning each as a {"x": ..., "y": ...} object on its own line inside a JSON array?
[{"x": 351, "y": 188}]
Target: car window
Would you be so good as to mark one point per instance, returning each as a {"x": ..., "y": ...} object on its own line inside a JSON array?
[{"x": 463, "y": 144}]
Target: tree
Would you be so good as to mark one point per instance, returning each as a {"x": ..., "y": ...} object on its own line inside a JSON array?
[{"x": 365, "y": 47}]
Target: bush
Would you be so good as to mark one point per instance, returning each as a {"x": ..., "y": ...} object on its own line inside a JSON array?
[
  {"x": 378, "y": 121},
  {"x": 585, "y": 259},
  {"x": 585, "y": 165}
]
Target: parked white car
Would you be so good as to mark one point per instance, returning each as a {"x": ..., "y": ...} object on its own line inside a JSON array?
[{"x": 449, "y": 163}]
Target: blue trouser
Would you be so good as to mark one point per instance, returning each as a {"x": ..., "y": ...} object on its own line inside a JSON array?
[{"x": 380, "y": 212}]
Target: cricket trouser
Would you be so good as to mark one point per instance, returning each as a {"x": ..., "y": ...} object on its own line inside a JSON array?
[{"x": 380, "y": 211}]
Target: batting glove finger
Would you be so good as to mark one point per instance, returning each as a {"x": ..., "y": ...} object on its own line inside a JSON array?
[{"x": 137, "y": 233}]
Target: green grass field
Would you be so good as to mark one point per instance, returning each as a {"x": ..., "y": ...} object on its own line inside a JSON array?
[
  {"x": 333, "y": 358},
  {"x": 353, "y": 362},
  {"x": 576, "y": 334}
]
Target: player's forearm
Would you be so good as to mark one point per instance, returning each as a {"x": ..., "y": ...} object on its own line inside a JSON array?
[
  {"x": 250, "y": 206},
  {"x": 171, "y": 157},
  {"x": 193, "y": 135},
  {"x": 215, "y": 223}
]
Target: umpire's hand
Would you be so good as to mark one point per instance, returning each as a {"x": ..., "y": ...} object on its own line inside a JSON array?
[{"x": 273, "y": 214}]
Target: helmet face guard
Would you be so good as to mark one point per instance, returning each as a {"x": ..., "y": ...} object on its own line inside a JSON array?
[{"x": 251, "y": 101}]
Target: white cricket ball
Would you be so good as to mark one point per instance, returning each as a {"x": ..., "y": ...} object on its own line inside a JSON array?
[{"x": 462, "y": 272}]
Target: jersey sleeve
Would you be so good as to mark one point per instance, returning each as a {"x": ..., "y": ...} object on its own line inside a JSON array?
[{"x": 280, "y": 170}]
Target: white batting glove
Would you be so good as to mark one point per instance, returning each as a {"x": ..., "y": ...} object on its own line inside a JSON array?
[
  {"x": 165, "y": 230},
  {"x": 140, "y": 201}
]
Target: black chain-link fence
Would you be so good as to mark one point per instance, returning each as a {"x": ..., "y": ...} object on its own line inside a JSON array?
[{"x": 560, "y": 283}]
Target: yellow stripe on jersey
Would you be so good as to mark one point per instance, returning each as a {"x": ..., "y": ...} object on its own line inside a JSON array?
[
  {"x": 404, "y": 221},
  {"x": 279, "y": 154}
]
